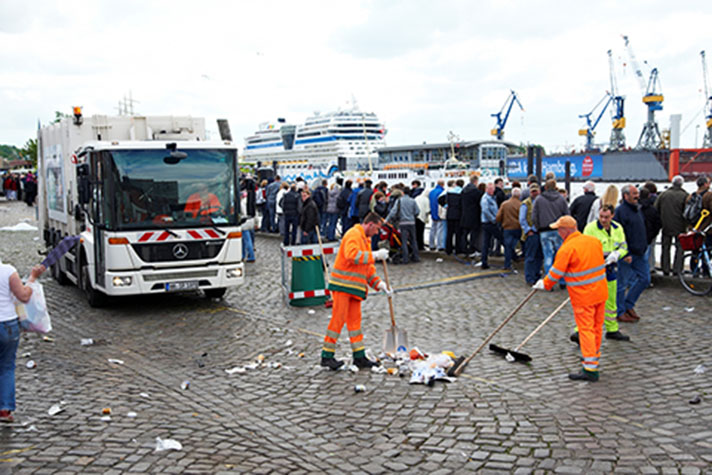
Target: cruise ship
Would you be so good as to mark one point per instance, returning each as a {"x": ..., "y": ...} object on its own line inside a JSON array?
[{"x": 324, "y": 144}]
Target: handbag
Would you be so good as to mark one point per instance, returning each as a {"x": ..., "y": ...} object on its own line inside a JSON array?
[{"x": 33, "y": 315}]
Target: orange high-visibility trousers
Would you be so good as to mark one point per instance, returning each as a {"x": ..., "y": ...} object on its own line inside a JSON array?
[
  {"x": 346, "y": 309},
  {"x": 589, "y": 319}
]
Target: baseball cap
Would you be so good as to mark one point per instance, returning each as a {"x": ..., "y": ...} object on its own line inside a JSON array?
[{"x": 564, "y": 222}]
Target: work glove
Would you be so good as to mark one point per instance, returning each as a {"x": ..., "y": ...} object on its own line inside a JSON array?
[
  {"x": 380, "y": 255},
  {"x": 539, "y": 285},
  {"x": 613, "y": 257},
  {"x": 383, "y": 287}
]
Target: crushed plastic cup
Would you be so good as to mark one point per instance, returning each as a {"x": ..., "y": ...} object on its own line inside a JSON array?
[
  {"x": 145, "y": 395},
  {"x": 115, "y": 361},
  {"x": 55, "y": 409},
  {"x": 31, "y": 364},
  {"x": 167, "y": 444},
  {"x": 26, "y": 354},
  {"x": 185, "y": 385},
  {"x": 131, "y": 414},
  {"x": 689, "y": 309},
  {"x": 87, "y": 342},
  {"x": 288, "y": 343},
  {"x": 311, "y": 312},
  {"x": 359, "y": 388},
  {"x": 236, "y": 370},
  {"x": 353, "y": 368},
  {"x": 379, "y": 370},
  {"x": 106, "y": 418},
  {"x": 509, "y": 357}
]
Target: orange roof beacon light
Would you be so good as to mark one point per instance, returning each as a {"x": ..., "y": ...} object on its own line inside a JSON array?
[{"x": 78, "y": 119}]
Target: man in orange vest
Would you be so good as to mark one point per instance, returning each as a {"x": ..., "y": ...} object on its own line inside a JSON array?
[
  {"x": 353, "y": 272},
  {"x": 580, "y": 262},
  {"x": 202, "y": 203}
]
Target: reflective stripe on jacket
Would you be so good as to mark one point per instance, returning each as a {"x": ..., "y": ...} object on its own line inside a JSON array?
[
  {"x": 611, "y": 241},
  {"x": 579, "y": 261},
  {"x": 354, "y": 267}
]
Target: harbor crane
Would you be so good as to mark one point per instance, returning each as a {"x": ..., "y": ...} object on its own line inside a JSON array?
[
  {"x": 617, "y": 135},
  {"x": 707, "y": 141},
  {"x": 650, "y": 137},
  {"x": 589, "y": 131},
  {"x": 498, "y": 130}
]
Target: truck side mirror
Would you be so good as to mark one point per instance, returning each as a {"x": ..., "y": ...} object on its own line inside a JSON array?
[{"x": 83, "y": 183}]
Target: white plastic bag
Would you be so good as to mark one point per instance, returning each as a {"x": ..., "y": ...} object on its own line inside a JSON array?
[{"x": 33, "y": 315}]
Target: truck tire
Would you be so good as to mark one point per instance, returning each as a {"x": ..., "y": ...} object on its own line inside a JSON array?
[
  {"x": 214, "y": 293},
  {"x": 95, "y": 298}
]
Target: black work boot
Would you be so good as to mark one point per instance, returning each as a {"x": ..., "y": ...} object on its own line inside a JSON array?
[
  {"x": 331, "y": 363},
  {"x": 574, "y": 337},
  {"x": 364, "y": 363},
  {"x": 591, "y": 376},
  {"x": 617, "y": 335}
]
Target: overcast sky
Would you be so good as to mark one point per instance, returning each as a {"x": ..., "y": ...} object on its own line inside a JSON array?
[{"x": 424, "y": 67}]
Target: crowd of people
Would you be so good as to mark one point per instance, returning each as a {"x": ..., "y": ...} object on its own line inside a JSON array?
[{"x": 20, "y": 187}]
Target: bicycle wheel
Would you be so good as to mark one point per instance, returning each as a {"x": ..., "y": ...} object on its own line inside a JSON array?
[{"x": 696, "y": 275}]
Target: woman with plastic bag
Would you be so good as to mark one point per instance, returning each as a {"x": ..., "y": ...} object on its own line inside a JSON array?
[{"x": 11, "y": 288}]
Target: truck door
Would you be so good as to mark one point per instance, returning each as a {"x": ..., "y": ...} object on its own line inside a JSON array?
[{"x": 99, "y": 215}]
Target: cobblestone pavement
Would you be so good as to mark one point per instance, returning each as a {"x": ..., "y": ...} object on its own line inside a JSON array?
[{"x": 498, "y": 417}]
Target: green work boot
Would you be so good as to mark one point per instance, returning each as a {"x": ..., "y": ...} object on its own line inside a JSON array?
[
  {"x": 331, "y": 363},
  {"x": 591, "y": 376}
]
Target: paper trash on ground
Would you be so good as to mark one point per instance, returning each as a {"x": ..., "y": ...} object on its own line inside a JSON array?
[
  {"x": 19, "y": 227},
  {"x": 115, "y": 361},
  {"x": 167, "y": 444}
]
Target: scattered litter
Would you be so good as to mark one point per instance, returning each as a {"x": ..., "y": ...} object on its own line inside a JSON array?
[
  {"x": 274, "y": 365},
  {"x": 359, "y": 388},
  {"x": 87, "y": 342},
  {"x": 392, "y": 371},
  {"x": 689, "y": 309},
  {"x": 311, "y": 311},
  {"x": 19, "y": 227},
  {"x": 379, "y": 369},
  {"x": 509, "y": 357},
  {"x": 667, "y": 308},
  {"x": 36, "y": 238},
  {"x": 31, "y": 364},
  {"x": 236, "y": 369},
  {"x": 260, "y": 358},
  {"x": 32, "y": 428},
  {"x": 416, "y": 354},
  {"x": 450, "y": 354},
  {"x": 431, "y": 369},
  {"x": 700, "y": 369},
  {"x": 288, "y": 343},
  {"x": 252, "y": 366},
  {"x": 106, "y": 418},
  {"x": 146, "y": 395},
  {"x": 56, "y": 409},
  {"x": 131, "y": 414},
  {"x": 47, "y": 338},
  {"x": 695, "y": 400},
  {"x": 439, "y": 259},
  {"x": 353, "y": 368},
  {"x": 26, "y": 354},
  {"x": 300, "y": 355},
  {"x": 106, "y": 411},
  {"x": 115, "y": 361},
  {"x": 167, "y": 444},
  {"x": 185, "y": 384}
]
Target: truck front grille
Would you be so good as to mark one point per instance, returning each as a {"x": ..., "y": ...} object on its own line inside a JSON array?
[{"x": 165, "y": 251}]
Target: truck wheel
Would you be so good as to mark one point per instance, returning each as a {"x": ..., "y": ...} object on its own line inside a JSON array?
[
  {"x": 95, "y": 298},
  {"x": 214, "y": 293}
]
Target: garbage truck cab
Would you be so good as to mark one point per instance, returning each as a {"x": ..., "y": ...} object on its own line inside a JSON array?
[{"x": 154, "y": 215}]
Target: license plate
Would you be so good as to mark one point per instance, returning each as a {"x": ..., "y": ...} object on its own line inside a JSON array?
[{"x": 178, "y": 286}]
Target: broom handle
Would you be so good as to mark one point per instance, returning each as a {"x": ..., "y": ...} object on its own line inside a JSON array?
[
  {"x": 323, "y": 257},
  {"x": 541, "y": 325},
  {"x": 491, "y": 335},
  {"x": 390, "y": 299}
]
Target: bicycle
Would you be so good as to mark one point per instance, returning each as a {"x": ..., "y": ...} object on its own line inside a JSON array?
[{"x": 696, "y": 272}]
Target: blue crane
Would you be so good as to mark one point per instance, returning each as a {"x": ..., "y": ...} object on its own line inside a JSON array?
[
  {"x": 617, "y": 136},
  {"x": 498, "y": 131},
  {"x": 589, "y": 131},
  {"x": 707, "y": 141}
]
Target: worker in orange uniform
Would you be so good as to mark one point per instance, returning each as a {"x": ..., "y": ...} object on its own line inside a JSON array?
[
  {"x": 580, "y": 262},
  {"x": 353, "y": 271},
  {"x": 202, "y": 203}
]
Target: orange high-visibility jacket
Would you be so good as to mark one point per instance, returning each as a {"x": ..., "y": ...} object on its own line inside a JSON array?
[
  {"x": 196, "y": 206},
  {"x": 579, "y": 261},
  {"x": 354, "y": 267}
]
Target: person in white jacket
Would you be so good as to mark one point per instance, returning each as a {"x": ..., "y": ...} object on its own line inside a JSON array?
[{"x": 283, "y": 189}]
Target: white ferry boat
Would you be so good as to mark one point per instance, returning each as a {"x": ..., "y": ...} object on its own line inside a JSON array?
[{"x": 323, "y": 145}]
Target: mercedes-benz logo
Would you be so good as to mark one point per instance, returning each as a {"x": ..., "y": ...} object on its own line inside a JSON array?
[{"x": 180, "y": 251}]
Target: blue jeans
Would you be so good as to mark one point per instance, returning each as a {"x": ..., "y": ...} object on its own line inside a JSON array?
[
  {"x": 271, "y": 212},
  {"x": 533, "y": 259},
  {"x": 9, "y": 340},
  {"x": 550, "y": 243},
  {"x": 435, "y": 241},
  {"x": 511, "y": 238},
  {"x": 248, "y": 248},
  {"x": 309, "y": 238},
  {"x": 490, "y": 231},
  {"x": 290, "y": 229},
  {"x": 635, "y": 277},
  {"x": 408, "y": 243},
  {"x": 331, "y": 220}
]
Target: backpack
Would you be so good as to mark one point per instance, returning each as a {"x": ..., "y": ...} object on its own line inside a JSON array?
[{"x": 693, "y": 208}]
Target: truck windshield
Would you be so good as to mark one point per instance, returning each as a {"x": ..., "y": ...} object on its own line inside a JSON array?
[{"x": 152, "y": 188}]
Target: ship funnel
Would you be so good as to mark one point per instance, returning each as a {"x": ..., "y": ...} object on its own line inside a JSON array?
[{"x": 288, "y": 133}]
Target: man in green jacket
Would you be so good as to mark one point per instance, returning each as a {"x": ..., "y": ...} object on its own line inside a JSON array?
[{"x": 612, "y": 238}]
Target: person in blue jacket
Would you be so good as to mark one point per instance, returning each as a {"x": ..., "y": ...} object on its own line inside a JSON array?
[{"x": 436, "y": 228}]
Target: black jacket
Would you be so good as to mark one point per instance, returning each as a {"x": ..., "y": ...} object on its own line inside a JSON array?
[
  {"x": 363, "y": 202},
  {"x": 471, "y": 209},
  {"x": 291, "y": 203},
  {"x": 499, "y": 196},
  {"x": 580, "y": 207},
  {"x": 342, "y": 202},
  {"x": 653, "y": 224},
  {"x": 633, "y": 223},
  {"x": 454, "y": 205},
  {"x": 309, "y": 218}
]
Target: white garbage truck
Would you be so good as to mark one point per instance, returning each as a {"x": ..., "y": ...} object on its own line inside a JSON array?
[{"x": 155, "y": 205}]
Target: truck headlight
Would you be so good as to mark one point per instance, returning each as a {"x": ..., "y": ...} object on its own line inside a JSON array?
[
  {"x": 121, "y": 281},
  {"x": 234, "y": 273}
]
